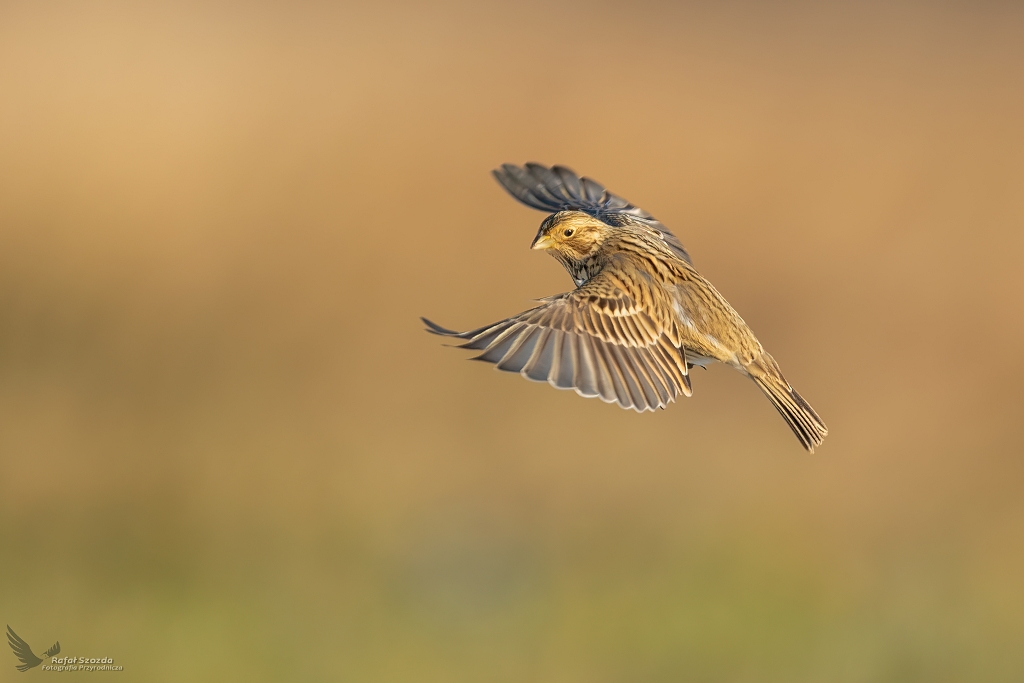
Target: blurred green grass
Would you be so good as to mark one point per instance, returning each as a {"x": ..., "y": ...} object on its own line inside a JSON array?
[
  {"x": 229, "y": 452},
  {"x": 460, "y": 600}
]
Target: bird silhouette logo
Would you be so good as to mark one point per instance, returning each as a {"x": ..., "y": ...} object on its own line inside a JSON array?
[{"x": 23, "y": 652}]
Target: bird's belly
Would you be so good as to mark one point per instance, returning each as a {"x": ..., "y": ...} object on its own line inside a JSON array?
[
  {"x": 701, "y": 348},
  {"x": 696, "y": 359}
]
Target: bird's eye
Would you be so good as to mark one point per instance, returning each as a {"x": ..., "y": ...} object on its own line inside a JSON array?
[{"x": 568, "y": 232}]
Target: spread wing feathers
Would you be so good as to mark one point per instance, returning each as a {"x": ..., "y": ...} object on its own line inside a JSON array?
[
  {"x": 53, "y": 651},
  {"x": 559, "y": 189},
  {"x": 22, "y": 651},
  {"x": 600, "y": 346}
]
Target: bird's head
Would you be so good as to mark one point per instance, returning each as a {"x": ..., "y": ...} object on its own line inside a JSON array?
[{"x": 571, "y": 235}]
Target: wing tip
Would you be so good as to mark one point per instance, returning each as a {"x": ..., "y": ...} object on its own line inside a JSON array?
[{"x": 434, "y": 328}]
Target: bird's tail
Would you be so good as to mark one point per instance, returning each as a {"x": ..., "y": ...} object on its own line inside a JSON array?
[{"x": 797, "y": 413}]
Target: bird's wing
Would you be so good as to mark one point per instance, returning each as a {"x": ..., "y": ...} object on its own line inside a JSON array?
[
  {"x": 22, "y": 651},
  {"x": 53, "y": 651},
  {"x": 598, "y": 340},
  {"x": 559, "y": 189}
]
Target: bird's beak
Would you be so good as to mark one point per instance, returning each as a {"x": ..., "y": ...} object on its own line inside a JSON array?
[{"x": 542, "y": 242}]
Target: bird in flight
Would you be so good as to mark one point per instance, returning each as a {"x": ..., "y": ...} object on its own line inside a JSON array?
[
  {"x": 24, "y": 653},
  {"x": 640, "y": 317}
]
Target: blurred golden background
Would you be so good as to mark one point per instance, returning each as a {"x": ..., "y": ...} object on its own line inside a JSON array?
[{"x": 230, "y": 453}]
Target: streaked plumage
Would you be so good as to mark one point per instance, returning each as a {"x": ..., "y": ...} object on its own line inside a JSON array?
[{"x": 640, "y": 317}]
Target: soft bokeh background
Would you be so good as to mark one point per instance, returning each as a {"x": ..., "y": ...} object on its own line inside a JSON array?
[{"x": 228, "y": 452}]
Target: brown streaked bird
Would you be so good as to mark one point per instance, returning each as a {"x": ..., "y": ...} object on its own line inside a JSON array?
[{"x": 640, "y": 317}]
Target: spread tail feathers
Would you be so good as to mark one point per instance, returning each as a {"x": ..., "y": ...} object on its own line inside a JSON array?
[{"x": 800, "y": 416}]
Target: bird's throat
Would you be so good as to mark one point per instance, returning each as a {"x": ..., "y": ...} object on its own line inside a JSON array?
[{"x": 580, "y": 270}]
